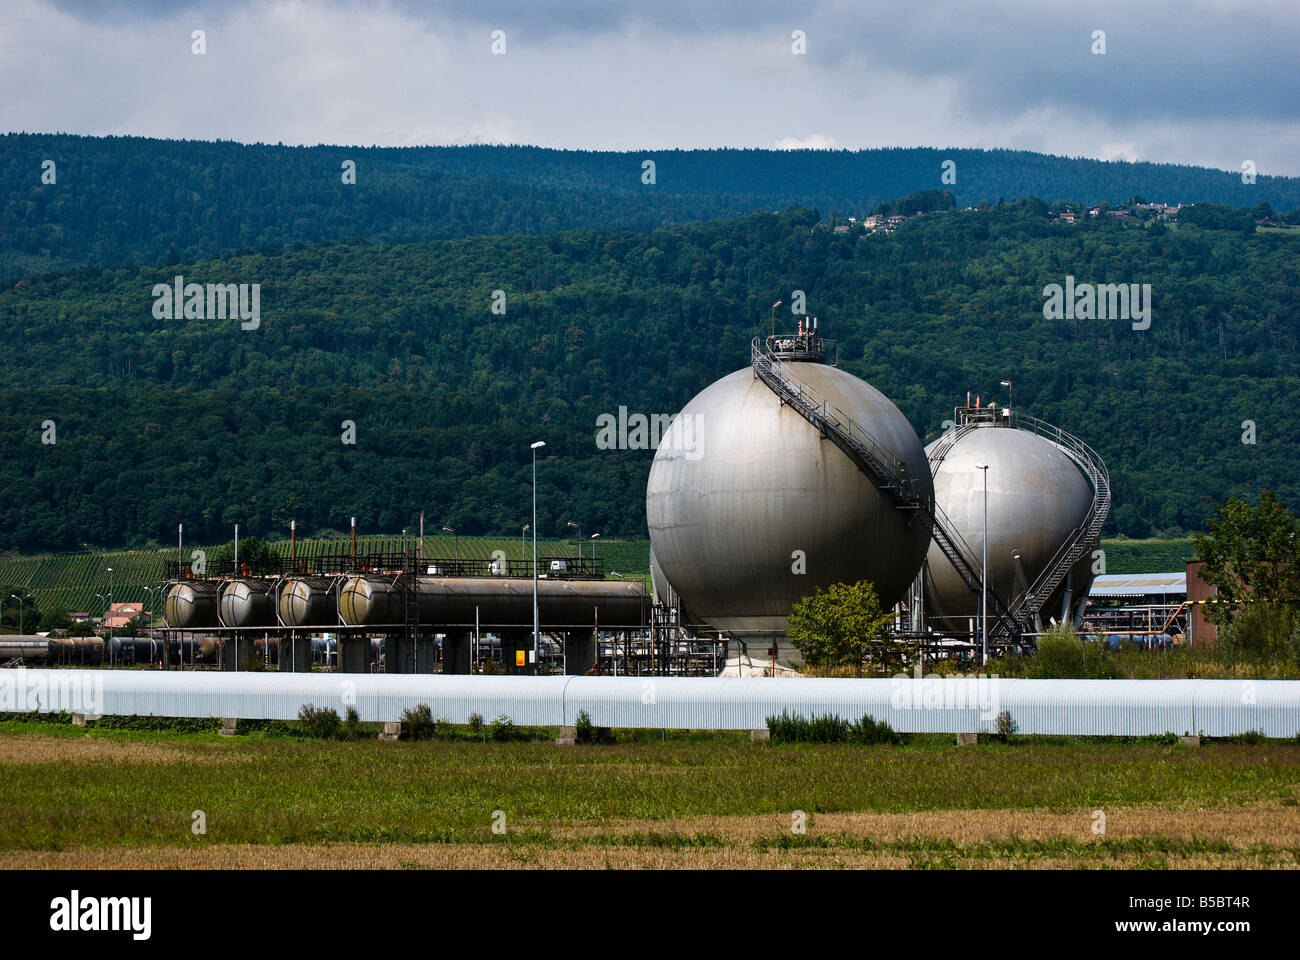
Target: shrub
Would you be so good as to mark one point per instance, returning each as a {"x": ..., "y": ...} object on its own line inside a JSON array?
[
  {"x": 476, "y": 724},
  {"x": 795, "y": 729},
  {"x": 1006, "y": 724},
  {"x": 1060, "y": 655},
  {"x": 503, "y": 729},
  {"x": 870, "y": 730},
  {"x": 319, "y": 723},
  {"x": 585, "y": 728},
  {"x": 417, "y": 723},
  {"x": 351, "y": 725}
]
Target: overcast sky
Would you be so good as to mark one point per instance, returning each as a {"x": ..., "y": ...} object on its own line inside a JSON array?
[{"x": 1211, "y": 83}]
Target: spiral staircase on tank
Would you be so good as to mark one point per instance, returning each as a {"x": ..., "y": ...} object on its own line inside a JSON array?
[
  {"x": 878, "y": 464},
  {"x": 1026, "y": 609}
]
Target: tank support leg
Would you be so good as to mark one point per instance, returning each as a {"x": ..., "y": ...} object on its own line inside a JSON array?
[
  {"x": 397, "y": 654},
  {"x": 295, "y": 653},
  {"x": 354, "y": 654},
  {"x": 579, "y": 651},
  {"x": 426, "y": 653},
  {"x": 455, "y": 652}
]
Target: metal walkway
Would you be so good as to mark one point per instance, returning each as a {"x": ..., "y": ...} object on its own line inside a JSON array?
[
  {"x": 1026, "y": 609},
  {"x": 886, "y": 471},
  {"x": 1085, "y": 536}
]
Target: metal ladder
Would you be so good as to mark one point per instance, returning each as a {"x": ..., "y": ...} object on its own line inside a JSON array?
[
  {"x": 411, "y": 608},
  {"x": 1085, "y": 536},
  {"x": 885, "y": 470}
]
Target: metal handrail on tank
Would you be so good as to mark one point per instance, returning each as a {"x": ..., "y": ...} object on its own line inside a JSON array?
[
  {"x": 874, "y": 460},
  {"x": 1086, "y": 534},
  {"x": 1083, "y": 536}
]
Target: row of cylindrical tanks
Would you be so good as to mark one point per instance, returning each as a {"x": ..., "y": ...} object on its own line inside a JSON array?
[
  {"x": 359, "y": 601},
  {"x": 92, "y": 651}
]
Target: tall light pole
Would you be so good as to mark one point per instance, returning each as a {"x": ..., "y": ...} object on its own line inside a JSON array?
[
  {"x": 14, "y": 596},
  {"x": 523, "y": 554},
  {"x": 100, "y": 596},
  {"x": 149, "y": 594},
  {"x": 455, "y": 538},
  {"x": 536, "y": 625},
  {"x": 594, "y": 538},
  {"x": 110, "y": 610},
  {"x": 984, "y": 573},
  {"x": 577, "y": 526},
  {"x": 1007, "y": 384}
]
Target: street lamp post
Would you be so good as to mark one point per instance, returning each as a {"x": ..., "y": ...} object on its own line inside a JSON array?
[
  {"x": 1007, "y": 384},
  {"x": 577, "y": 526},
  {"x": 594, "y": 538},
  {"x": 984, "y": 573},
  {"x": 110, "y": 616},
  {"x": 455, "y": 538},
  {"x": 536, "y": 624},
  {"x": 14, "y": 596},
  {"x": 523, "y": 553},
  {"x": 103, "y": 599}
]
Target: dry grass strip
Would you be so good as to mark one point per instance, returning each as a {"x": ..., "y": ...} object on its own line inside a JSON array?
[
  {"x": 501, "y": 856},
  {"x": 1241, "y": 826},
  {"x": 36, "y": 749}
]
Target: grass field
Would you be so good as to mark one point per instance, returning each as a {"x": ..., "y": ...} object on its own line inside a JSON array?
[{"x": 74, "y": 798}]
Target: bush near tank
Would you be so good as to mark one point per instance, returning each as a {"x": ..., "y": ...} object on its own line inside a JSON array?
[{"x": 843, "y": 625}]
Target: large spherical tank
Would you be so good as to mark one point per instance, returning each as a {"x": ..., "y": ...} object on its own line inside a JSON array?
[
  {"x": 246, "y": 603},
  {"x": 745, "y": 493},
  {"x": 189, "y": 604},
  {"x": 1037, "y": 497}
]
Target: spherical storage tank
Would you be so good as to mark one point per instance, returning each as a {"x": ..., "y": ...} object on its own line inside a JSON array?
[
  {"x": 744, "y": 493},
  {"x": 1037, "y": 497}
]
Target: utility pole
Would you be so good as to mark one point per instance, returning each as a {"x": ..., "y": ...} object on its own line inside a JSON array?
[{"x": 536, "y": 618}]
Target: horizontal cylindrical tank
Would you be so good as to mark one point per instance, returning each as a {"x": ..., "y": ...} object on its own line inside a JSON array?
[
  {"x": 750, "y": 508},
  {"x": 308, "y": 601},
  {"x": 25, "y": 646},
  {"x": 190, "y": 603},
  {"x": 246, "y": 603},
  {"x": 136, "y": 650},
  {"x": 1036, "y": 497},
  {"x": 499, "y": 602}
]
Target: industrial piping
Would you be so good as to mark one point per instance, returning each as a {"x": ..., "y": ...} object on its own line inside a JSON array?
[{"x": 1216, "y": 708}]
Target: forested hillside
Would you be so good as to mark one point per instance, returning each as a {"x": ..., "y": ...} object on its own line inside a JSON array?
[
  {"x": 160, "y": 421},
  {"x": 119, "y": 200}
]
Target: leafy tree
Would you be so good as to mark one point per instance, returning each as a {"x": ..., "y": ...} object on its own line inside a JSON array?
[
  {"x": 252, "y": 551},
  {"x": 1252, "y": 555},
  {"x": 841, "y": 625},
  {"x": 22, "y": 613},
  {"x": 56, "y": 618}
]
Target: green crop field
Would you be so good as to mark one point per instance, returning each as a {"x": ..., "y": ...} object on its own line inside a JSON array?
[
  {"x": 70, "y": 581},
  {"x": 77, "y": 798}
]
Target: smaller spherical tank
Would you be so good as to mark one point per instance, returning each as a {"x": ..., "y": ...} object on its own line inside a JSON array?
[
  {"x": 1037, "y": 497},
  {"x": 246, "y": 603},
  {"x": 189, "y": 604}
]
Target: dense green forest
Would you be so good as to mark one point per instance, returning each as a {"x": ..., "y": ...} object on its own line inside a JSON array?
[
  {"x": 159, "y": 421},
  {"x": 130, "y": 200}
]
